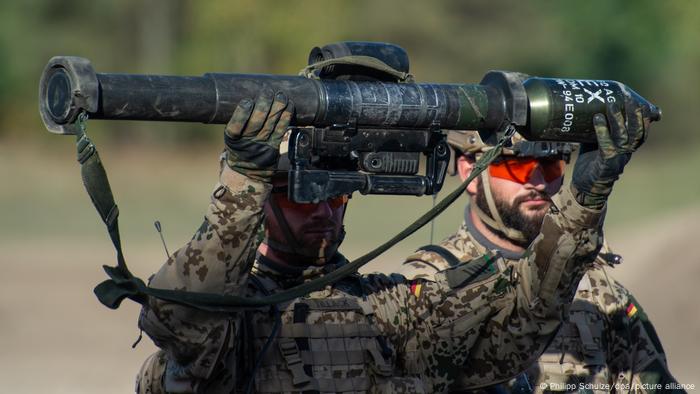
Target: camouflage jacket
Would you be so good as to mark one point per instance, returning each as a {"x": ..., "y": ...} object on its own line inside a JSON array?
[
  {"x": 479, "y": 322},
  {"x": 606, "y": 342}
]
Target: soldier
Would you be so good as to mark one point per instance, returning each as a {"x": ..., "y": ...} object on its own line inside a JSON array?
[
  {"x": 606, "y": 342},
  {"x": 480, "y": 320}
]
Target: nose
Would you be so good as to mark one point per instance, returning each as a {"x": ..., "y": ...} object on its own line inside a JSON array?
[{"x": 323, "y": 211}]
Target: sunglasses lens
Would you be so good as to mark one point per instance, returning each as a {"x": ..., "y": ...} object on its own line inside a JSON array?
[
  {"x": 519, "y": 169},
  {"x": 285, "y": 203},
  {"x": 552, "y": 168},
  {"x": 338, "y": 202},
  {"x": 512, "y": 169}
]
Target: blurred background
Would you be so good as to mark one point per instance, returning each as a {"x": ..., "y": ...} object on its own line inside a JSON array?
[{"x": 56, "y": 337}]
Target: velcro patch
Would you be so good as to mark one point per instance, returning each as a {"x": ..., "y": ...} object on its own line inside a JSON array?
[{"x": 472, "y": 271}]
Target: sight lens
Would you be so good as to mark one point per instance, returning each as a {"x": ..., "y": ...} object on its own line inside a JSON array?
[{"x": 58, "y": 98}]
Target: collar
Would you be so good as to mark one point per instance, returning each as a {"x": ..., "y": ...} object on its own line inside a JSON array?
[
  {"x": 481, "y": 239},
  {"x": 288, "y": 276}
]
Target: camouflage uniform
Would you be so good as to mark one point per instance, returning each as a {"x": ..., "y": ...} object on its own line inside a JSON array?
[
  {"x": 606, "y": 343},
  {"x": 372, "y": 333}
]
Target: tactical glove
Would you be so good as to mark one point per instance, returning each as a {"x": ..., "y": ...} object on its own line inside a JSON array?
[
  {"x": 254, "y": 133},
  {"x": 597, "y": 169}
]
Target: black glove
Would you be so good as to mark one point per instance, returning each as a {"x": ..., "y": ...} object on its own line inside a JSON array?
[
  {"x": 254, "y": 133},
  {"x": 596, "y": 170}
]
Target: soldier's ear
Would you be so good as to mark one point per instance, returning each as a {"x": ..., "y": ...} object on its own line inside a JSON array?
[{"x": 465, "y": 165}]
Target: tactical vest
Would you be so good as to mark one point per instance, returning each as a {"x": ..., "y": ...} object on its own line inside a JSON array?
[
  {"x": 575, "y": 361},
  {"x": 326, "y": 342}
]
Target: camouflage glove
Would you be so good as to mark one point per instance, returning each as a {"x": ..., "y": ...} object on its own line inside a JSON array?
[
  {"x": 254, "y": 133},
  {"x": 596, "y": 170}
]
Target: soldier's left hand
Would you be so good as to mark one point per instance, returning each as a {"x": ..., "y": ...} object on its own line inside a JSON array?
[{"x": 618, "y": 136}]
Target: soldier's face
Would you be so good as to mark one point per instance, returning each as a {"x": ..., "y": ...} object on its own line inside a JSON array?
[
  {"x": 522, "y": 206},
  {"x": 316, "y": 227}
]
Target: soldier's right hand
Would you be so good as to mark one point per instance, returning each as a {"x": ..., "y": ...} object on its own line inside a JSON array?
[
  {"x": 254, "y": 133},
  {"x": 596, "y": 170}
]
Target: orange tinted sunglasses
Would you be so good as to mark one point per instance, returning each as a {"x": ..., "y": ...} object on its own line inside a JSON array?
[
  {"x": 280, "y": 194},
  {"x": 520, "y": 169}
]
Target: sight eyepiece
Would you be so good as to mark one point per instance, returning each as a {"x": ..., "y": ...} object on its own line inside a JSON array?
[
  {"x": 68, "y": 85},
  {"x": 58, "y": 95}
]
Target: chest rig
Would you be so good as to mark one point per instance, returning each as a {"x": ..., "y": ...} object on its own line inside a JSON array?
[
  {"x": 325, "y": 342},
  {"x": 576, "y": 360}
]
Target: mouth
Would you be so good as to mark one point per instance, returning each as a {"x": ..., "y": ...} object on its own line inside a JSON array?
[
  {"x": 535, "y": 201},
  {"x": 319, "y": 230}
]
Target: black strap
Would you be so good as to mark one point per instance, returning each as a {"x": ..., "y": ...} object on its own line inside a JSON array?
[
  {"x": 122, "y": 284},
  {"x": 275, "y": 330},
  {"x": 97, "y": 186},
  {"x": 294, "y": 246},
  {"x": 451, "y": 259}
]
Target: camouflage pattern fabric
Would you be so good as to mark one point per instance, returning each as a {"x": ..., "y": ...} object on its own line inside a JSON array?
[
  {"x": 150, "y": 377},
  {"x": 475, "y": 323},
  {"x": 606, "y": 342},
  {"x": 254, "y": 133}
]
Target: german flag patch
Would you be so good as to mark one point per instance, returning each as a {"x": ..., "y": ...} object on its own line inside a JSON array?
[
  {"x": 416, "y": 288},
  {"x": 631, "y": 310}
]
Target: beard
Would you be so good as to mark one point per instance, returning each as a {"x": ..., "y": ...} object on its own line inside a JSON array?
[
  {"x": 320, "y": 241},
  {"x": 313, "y": 243},
  {"x": 529, "y": 224}
]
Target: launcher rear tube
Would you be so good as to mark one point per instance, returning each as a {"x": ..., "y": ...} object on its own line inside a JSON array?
[{"x": 212, "y": 98}]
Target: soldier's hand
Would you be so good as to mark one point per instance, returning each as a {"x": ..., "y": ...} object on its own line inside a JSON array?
[
  {"x": 254, "y": 133},
  {"x": 596, "y": 170}
]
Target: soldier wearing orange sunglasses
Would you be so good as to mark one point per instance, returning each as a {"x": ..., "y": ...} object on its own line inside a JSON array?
[{"x": 606, "y": 343}]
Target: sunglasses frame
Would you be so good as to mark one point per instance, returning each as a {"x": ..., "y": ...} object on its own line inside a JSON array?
[
  {"x": 505, "y": 168},
  {"x": 334, "y": 203}
]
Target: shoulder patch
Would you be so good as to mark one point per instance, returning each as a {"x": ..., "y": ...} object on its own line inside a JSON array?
[
  {"x": 472, "y": 271},
  {"x": 634, "y": 310},
  {"x": 416, "y": 287}
]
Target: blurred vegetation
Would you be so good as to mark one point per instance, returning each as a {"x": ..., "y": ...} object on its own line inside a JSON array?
[{"x": 650, "y": 45}]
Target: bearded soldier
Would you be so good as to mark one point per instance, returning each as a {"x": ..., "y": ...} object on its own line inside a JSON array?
[
  {"x": 479, "y": 321},
  {"x": 606, "y": 342}
]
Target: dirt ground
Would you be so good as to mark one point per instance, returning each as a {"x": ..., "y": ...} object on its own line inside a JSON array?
[{"x": 55, "y": 336}]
